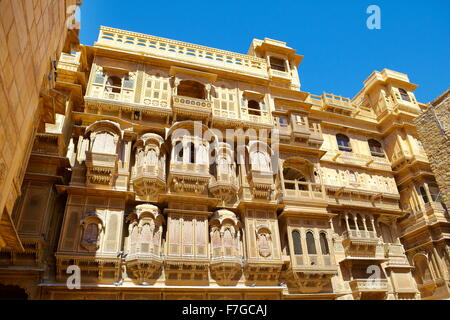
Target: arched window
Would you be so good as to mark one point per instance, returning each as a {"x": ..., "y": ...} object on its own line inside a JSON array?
[
  {"x": 192, "y": 152},
  {"x": 146, "y": 238},
  {"x": 260, "y": 162},
  {"x": 352, "y": 177},
  {"x": 179, "y": 152},
  {"x": 292, "y": 177},
  {"x": 404, "y": 95},
  {"x": 222, "y": 164},
  {"x": 133, "y": 239},
  {"x": 227, "y": 238},
  {"x": 253, "y": 108},
  {"x": 215, "y": 238},
  {"x": 324, "y": 244},
  {"x": 424, "y": 195},
  {"x": 192, "y": 89},
  {"x": 343, "y": 143},
  {"x": 310, "y": 243},
  {"x": 113, "y": 84},
  {"x": 375, "y": 148},
  {"x": 152, "y": 158},
  {"x": 297, "y": 243},
  {"x": 360, "y": 222}
]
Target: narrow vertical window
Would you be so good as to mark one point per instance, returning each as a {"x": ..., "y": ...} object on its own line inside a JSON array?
[
  {"x": 375, "y": 148},
  {"x": 297, "y": 243},
  {"x": 424, "y": 195},
  {"x": 404, "y": 95},
  {"x": 310, "y": 243},
  {"x": 324, "y": 244},
  {"x": 343, "y": 143}
]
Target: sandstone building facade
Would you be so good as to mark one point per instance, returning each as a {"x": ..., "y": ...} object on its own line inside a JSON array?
[{"x": 179, "y": 171}]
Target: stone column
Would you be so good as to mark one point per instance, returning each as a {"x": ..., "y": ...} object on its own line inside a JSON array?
[
  {"x": 346, "y": 222},
  {"x": 355, "y": 218}
]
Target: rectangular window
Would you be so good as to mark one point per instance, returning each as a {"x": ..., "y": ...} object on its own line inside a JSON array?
[
  {"x": 99, "y": 78},
  {"x": 128, "y": 83},
  {"x": 277, "y": 64}
]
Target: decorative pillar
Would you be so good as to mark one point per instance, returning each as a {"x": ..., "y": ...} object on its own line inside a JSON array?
[
  {"x": 372, "y": 221},
  {"x": 356, "y": 222},
  {"x": 346, "y": 222}
]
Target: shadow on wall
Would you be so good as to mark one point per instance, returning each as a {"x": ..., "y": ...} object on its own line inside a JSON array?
[{"x": 12, "y": 293}]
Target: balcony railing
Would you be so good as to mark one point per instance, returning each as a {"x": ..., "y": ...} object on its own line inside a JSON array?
[
  {"x": 337, "y": 104},
  {"x": 189, "y": 168},
  {"x": 297, "y": 190},
  {"x": 369, "y": 285},
  {"x": 313, "y": 263},
  {"x": 189, "y": 102},
  {"x": 360, "y": 234},
  {"x": 181, "y": 51},
  {"x": 147, "y": 171},
  {"x": 69, "y": 62},
  {"x": 101, "y": 159},
  {"x": 279, "y": 74},
  {"x": 262, "y": 117}
]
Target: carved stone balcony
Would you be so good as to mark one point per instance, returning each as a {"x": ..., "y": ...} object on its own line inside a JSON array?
[
  {"x": 189, "y": 178},
  {"x": 263, "y": 119},
  {"x": 337, "y": 104},
  {"x": 191, "y": 108},
  {"x": 224, "y": 187},
  {"x": 401, "y": 105},
  {"x": 400, "y": 158},
  {"x": 187, "y": 53},
  {"x": 101, "y": 168},
  {"x": 261, "y": 184},
  {"x": 225, "y": 267},
  {"x": 264, "y": 273},
  {"x": 311, "y": 273},
  {"x": 148, "y": 182},
  {"x": 367, "y": 286},
  {"x": 144, "y": 266},
  {"x": 360, "y": 238},
  {"x": 295, "y": 191},
  {"x": 308, "y": 133},
  {"x": 278, "y": 75}
]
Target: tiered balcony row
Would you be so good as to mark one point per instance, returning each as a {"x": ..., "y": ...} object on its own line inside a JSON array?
[{"x": 184, "y": 52}]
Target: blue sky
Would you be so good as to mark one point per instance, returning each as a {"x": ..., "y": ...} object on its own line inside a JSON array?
[{"x": 340, "y": 51}]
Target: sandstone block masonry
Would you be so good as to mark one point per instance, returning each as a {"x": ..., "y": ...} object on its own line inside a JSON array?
[{"x": 434, "y": 129}]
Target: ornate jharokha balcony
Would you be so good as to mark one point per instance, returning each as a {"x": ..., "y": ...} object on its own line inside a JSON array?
[
  {"x": 311, "y": 273},
  {"x": 189, "y": 177},
  {"x": 144, "y": 265},
  {"x": 192, "y": 107},
  {"x": 224, "y": 187},
  {"x": 303, "y": 191},
  {"x": 360, "y": 237},
  {"x": 148, "y": 181},
  {"x": 181, "y": 52},
  {"x": 101, "y": 167}
]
